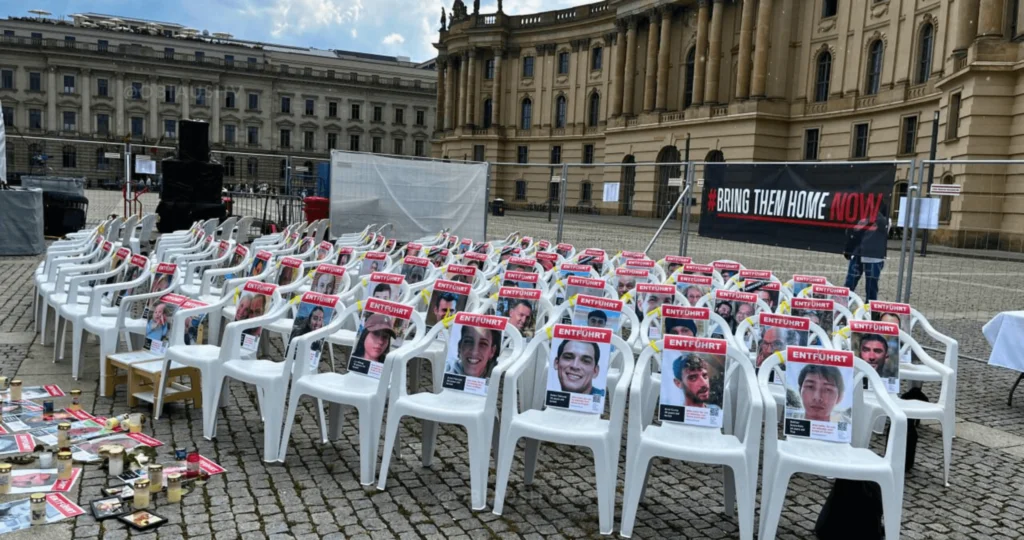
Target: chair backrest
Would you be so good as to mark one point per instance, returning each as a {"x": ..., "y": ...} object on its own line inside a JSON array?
[
  {"x": 768, "y": 333},
  {"x": 683, "y": 320},
  {"x": 227, "y": 229},
  {"x": 241, "y": 233}
]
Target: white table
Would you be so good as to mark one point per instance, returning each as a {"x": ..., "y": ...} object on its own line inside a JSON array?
[{"x": 1005, "y": 333}]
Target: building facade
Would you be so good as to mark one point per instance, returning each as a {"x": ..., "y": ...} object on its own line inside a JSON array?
[
  {"x": 102, "y": 79},
  {"x": 634, "y": 81}
]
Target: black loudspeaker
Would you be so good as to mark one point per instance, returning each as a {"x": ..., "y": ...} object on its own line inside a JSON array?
[
  {"x": 192, "y": 181},
  {"x": 194, "y": 141},
  {"x": 176, "y": 216}
]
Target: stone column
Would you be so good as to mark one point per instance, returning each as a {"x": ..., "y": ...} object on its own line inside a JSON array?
[
  {"x": 746, "y": 38},
  {"x": 618, "y": 70},
  {"x": 85, "y": 84},
  {"x": 701, "y": 54},
  {"x": 496, "y": 96},
  {"x": 714, "y": 54},
  {"x": 650, "y": 69},
  {"x": 119, "y": 105},
  {"x": 471, "y": 90},
  {"x": 447, "y": 119},
  {"x": 186, "y": 103},
  {"x": 215, "y": 135},
  {"x": 463, "y": 68},
  {"x": 628, "y": 76},
  {"x": 758, "y": 83},
  {"x": 990, "y": 18},
  {"x": 51, "y": 98},
  {"x": 966, "y": 25},
  {"x": 663, "y": 55},
  {"x": 154, "y": 109},
  {"x": 442, "y": 64}
]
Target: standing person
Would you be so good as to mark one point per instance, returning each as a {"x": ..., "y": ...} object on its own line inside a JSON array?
[{"x": 867, "y": 237}]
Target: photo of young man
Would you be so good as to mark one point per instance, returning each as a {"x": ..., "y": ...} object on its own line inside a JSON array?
[
  {"x": 578, "y": 363},
  {"x": 446, "y": 299},
  {"x": 878, "y": 344},
  {"x": 578, "y": 368},
  {"x": 693, "y": 380},
  {"x": 819, "y": 389}
]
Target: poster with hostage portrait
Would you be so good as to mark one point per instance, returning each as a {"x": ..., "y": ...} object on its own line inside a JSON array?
[
  {"x": 306, "y": 245},
  {"x": 593, "y": 258},
  {"x": 158, "y": 323},
  {"x": 447, "y": 299},
  {"x": 344, "y": 256},
  {"x": 547, "y": 260},
  {"x": 461, "y": 273},
  {"x": 674, "y": 263},
  {"x": 474, "y": 259},
  {"x": 521, "y": 264},
  {"x": 598, "y": 312},
  {"x": 878, "y": 344},
  {"x": 315, "y": 312},
  {"x": 651, "y": 296},
  {"x": 734, "y": 307},
  {"x": 693, "y": 269},
  {"x": 802, "y": 281},
  {"x": 119, "y": 258},
  {"x": 474, "y": 344},
  {"x": 508, "y": 252},
  {"x": 682, "y": 321},
  {"x": 136, "y": 266},
  {"x": 779, "y": 332},
  {"x": 438, "y": 256},
  {"x": 415, "y": 268},
  {"x": 197, "y": 327},
  {"x": 288, "y": 271},
  {"x": 253, "y": 301},
  {"x": 381, "y": 329},
  {"x": 564, "y": 250},
  {"x": 817, "y": 311},
  {"x": 163, "y": 277},
  {"x": 237, "y": 257},
  {"x": 413, "y": 249},
  {"x": 373, "y": 261},
  {"x": 896, "y": 313},
  {"x": 626, "y": 279},
  {"x": 693, "y": 287},
  {"x": 464, "y": 246},
  {"x": 578, "y": 368},
  {"x": 523, "y": 280},
  {"x": 727, "y": 269},
  {"x": 640, "y": 264},
  {"x": 328, "y": 279},
  {"x": 693, "y": 380},
  {"x": 576, "y": 286},
  {"x": 520, "y": 307},
  {"x": 260, "y": 262},
  {"x": 387, "y": 287},
  {"x": 819, "y": 394},
  {"x": 324, "y": 251}
]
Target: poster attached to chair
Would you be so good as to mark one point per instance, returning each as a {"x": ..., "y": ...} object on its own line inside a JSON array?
[
  {"x": 328, "y": 279},
  {"x": 520, "y": 306},
  {"x": 288, "y": 270},
  {"x": 693, "y": 287},
  {"x": 878, "y": 344},
  {"x": 253, "y": 302},
  {"x": 693, "y": 380},
  {"x": 315, "y": 311},
  {"x": 162, "y": 279},
  {"x": 681, "y": 321},
  {"x": 778, "y": 332},
  {"x": 447, "y": 299},
  {"x": 415, "y": 268},
  {"x": 896, "y": 313},
  {"x": 473, "y": 348},
  {"x": 597, "y": 312},
  {"x": 819, "y": 394},
  {"x": 373, "y": 261},
  {"x": 158, "y": 323},
  {"x": 381, "y": 329},
  {"x": 578, "y": 368},
  {"x": 136, "y": 266},
  {"x": 811, "y": 206},
  {"x": 384, "y": 286},
  {"x": 817, "y": 311}
]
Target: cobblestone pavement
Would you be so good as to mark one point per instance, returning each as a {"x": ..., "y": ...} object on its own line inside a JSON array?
[{"x": 316, "y": 493}]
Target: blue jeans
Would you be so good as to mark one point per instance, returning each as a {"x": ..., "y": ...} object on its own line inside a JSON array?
[{"x": 872, "y": 271}]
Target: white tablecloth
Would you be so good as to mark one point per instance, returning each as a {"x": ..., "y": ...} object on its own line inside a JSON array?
[{"x": 1005, "y": 333}]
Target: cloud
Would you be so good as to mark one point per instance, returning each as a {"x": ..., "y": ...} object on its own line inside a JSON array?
[
  {"x": 297, "y": 17},
  {"x": 355, "y": 34},
  {"x": 393, "y": 38}
]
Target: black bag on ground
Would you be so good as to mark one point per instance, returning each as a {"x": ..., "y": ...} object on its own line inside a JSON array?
[{"x": 852, "y": 511}]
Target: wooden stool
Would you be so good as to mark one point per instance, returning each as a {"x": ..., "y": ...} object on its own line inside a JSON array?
[
  {"x": 123, "y": 362},
  {"x": 145, "y": 378}
]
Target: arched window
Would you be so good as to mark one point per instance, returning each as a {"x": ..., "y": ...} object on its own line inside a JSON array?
[
  {"x": 715, "y": 156},
  {"x": 874, "y": 75},
  {"x": 102, "y": 163},
  {"x": 824, "y": 77},
  {"x": 69, "y": 157},
  {"x": 520, "y": 190},
  {"x": 561, "y": 108},
  {"x": 924, "y": 54},
  {"x": 946, "y": 203},
  {"x": 526, "y": 115},
  {"x": 252, "y": 168},
  {"x": 229, "y": 166},
  {"x": 691, "y": 58},
  {"x": 595, "y": 110},
  {"x": 488, "y": 113}
]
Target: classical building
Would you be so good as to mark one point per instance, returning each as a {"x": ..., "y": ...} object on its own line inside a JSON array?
[
  {"x": 102, "y": 79},
  {"x": 629, "y": 81}
]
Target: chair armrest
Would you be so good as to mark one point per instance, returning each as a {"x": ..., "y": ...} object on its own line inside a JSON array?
[
  {"x": 233, "y": 331},
  {"x": 74, "y": 282},
  {"x": 100, "y": 290},
  {"x": 410, "y": 351}
]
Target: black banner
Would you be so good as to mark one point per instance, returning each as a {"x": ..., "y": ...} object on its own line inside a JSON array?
[{"x": 834, "y": 208}]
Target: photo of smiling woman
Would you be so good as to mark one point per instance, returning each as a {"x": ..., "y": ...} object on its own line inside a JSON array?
[
  {"x": 375, "y": 338},
  {"x": 474, "y": 352}
]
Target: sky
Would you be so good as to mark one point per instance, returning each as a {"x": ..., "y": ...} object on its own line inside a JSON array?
[{"x": 389, "y": 27}]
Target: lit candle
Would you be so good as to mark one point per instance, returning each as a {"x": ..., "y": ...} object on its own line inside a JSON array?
[
  {"x": 16, "y": 390},
  {"x": 156, "y": 478},
  {"x": 38, "y": 508},
  {"x": 5, "y": 478},
  {"x": 174, "y": 487},
  {"x": 64, "y": 465},
  {"x": 135, "y": 423},
  {"x": 141, "y": 493},
  {"x": 115, "y": 463},
  {"x": 76, "y": 400},
  {"x": 63, "y": 440}
]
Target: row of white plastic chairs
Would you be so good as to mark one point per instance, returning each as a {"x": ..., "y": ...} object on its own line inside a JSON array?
[{"x": 244, "y": 369}]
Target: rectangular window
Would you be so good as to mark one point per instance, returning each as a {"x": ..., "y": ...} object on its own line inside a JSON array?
[
  {"x": 588, "y": 153},
  {"x": 522, "y": 155},
  {"x": 908, "y": 135},
  {"x": 953, "y": 117},
  {"x": 330, "y": 73},
  {"x": 8, "y": 116},
  {"x": 489, "y": 69},
  {"x": 102, "y": 45},
  {"x": 229, "y": 60},
  {"x": 378, "y": 114},
  {"x": 860, "y": 141},
  {"x": 229, "y": 100},
  {"x": 527, "y": 66},
  {"x": 421, "y": 118},
  {"x": 37, "y": 38},
  {"x": 520, "y": 190},
  {"x": 420, "y": 148},
  {"x": 829, "y": 8},
  {"x": 332, "y": 141},
  {"x": 229, "y": 133},
  {"x": 478, "y": 152},
  {"x": 251, "y": 61},
  {"x": 103, "y": 124},
  {"x": 35, "y": 82},
  {"x": 137, "y": 126},
  {"x": 398, "y": 147},
  {"x": 310, "y": 107},
  {"x": 69, "y": 121},
  {"x": 596, "y": 58},
  {"x": 171, "y": 129},
  {"x": 254, "y": 102},
  {"x": 35, "y": 119},
  {"x": 200, "y": 95},
  {"x": 811, "y": 144},
  {"x": 355, "y": 112},
  {"x": 563, "y": 63},
  {"x": 69, "y": 41},
  {"x": 400, "y": 116},
  {"x": 252, "y": 135},
  {"x": 102, "y": 88},
  {"x": 69, "y": 84},
  {"x": 307, "y": 71},
  {"x": 136, "y": 90},
  {"x": 556, "y": 154},
  {"x": 332, "y": 109},
  {"x": 170, "y": 93},
  {"x": 353, "y": 143},
  {"x": 8, "y": 33},
  {"x": 284, "y": 68},
  {"x": 377, "y": 145},
  {"x": 7, "y": 79},
  {"x": 308, "y": 140},
  {"x": 169, "y": 53},
  {"x": 587, "y": 192},
  {"x": 200, "y": 57},
  {"x": 286, "y": 104},
  {"x": 286, "y": 138}
]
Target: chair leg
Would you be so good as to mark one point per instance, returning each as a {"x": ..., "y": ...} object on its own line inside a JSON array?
[
  {"x": 729, "y": 482},
  {"x": 503, "y": 469},
  {"x": 479, "y": 438},
  {"x": 948, "y": 429},
  {"x": 335, "y": 419},
  {"x": 771, "y": 510},
  {"x": 158, "y": 388},
  {"x": 530, "y": 460},
  {"x": 367, "y": 445},
  {"x": 58, "y": 340},
  {"x": 76, "y": 352},
  {"x": 745, "y": 500},
  {"x": 390, "y": 438},
  {"x": 607, "y": 474},
  {"x": 57, "y": 326},
  {"x": 289, "y": 421},
  {"x": 44, "y": 313},
  {"x": 428, "y": 440},
  {"x": 211, "y": 402},
  {"x": 631, "y": 495},
  {"x": 272, "y": 427},
  {"x": 892, "y": 510},
  {"x": 106, "y": 349}
]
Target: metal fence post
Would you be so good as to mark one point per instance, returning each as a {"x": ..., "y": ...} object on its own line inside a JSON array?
[
  {"x": 911, "y": 191},
  {"x": 684, "y": 237},
  {"x": 562, "y": 188},
  {"x": 913, "y": 212},
  {"x": 487, "y": 196}
]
